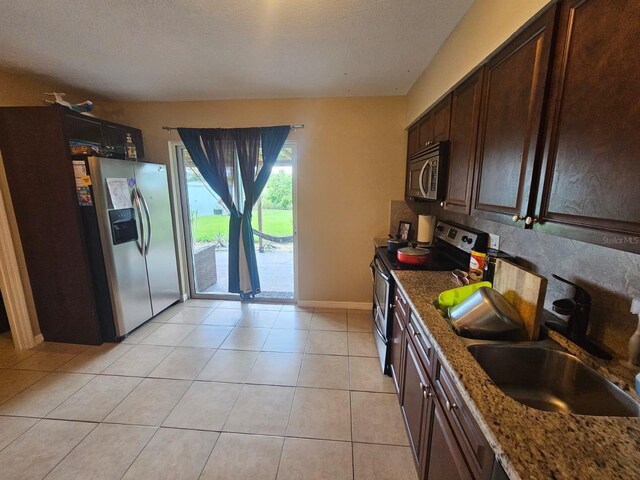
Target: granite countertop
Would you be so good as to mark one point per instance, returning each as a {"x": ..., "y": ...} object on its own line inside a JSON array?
[
  {"x": 380, "y": 242},
  {"x": 529, "y": 443}
]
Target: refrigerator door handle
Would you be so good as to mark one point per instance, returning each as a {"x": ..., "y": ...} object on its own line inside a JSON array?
[
  {"x": 146, "y": 212},
  {"x": 136, "y": 201}
]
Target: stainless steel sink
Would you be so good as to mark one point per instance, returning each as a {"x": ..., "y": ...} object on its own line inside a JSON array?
[{"x": 552, "y": 380}]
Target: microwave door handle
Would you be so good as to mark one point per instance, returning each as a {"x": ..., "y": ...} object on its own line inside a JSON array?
[
  {"x": 421, "y": 180},
  {"x": 148, "y": 215},
  {"x": 136, "y": 201}
]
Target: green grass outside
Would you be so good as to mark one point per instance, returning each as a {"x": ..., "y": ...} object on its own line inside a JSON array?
[{"x": 274, "y": 222}]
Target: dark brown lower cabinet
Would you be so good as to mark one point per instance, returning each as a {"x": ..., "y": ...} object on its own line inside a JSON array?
[
  {"x": 444, "y": 436},
  {"x": 446, "y": 460},
  {"x": 417, "y": 396}
]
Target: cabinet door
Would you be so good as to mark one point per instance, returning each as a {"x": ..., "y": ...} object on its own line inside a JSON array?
[
  {"x": 445, "y": 457},
  {"x": 414, "y": 399},
  {"x": 82, "y": 128},
  {"x": 591, "y": 158},
  {"x": 413, "y": 140},
  {"x": 511, "y": 112},
  {"x": 442, "y": 119},
  {"x": 427, "y": 130},
  {"x": 114, "y": 135},
  {"x": 397, "y": 346},
  {"x": 463, "y": 134}
]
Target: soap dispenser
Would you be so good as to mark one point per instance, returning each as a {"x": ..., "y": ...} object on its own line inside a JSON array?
[{"x": 634, "y": 341}]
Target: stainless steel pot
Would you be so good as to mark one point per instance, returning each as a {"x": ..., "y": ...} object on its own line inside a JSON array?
[{"x": 486, "y": 314}]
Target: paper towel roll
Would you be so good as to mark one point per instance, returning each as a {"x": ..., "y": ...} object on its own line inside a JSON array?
[{"x": 426, "y": 224}]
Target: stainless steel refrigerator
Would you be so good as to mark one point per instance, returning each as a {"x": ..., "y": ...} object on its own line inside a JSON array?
[{"x": 133, "y": 213}]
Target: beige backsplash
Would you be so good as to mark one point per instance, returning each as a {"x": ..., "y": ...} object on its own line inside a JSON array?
[
  {"x": 399, "y": 211},
  {"x": 612, "y": 277}
]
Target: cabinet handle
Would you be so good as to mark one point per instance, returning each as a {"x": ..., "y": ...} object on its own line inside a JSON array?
[
  {"x": 450, "y": 406},
  {"x": 530, "y": 220},
  {"x": 517, "y": 218},
  {"x": 421, "y": 386}
]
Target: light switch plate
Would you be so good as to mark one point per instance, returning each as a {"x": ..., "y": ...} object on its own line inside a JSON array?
[{"x": 494, "y": 241}]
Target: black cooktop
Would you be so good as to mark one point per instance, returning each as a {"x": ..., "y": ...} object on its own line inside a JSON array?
[{"x": 437, "y": 263}]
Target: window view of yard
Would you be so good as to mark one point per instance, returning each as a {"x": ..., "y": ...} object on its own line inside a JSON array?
[
  {"x": 208, "y": 228},
  {"x": 272, "y": 217}
]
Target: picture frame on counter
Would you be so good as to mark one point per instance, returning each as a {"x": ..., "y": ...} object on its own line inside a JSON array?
[{"x": 403, "y": 230}]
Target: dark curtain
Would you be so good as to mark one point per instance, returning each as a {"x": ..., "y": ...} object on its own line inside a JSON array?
[
  {"x": 215, "y": 162},
  {"x": 248, "y": 141}
]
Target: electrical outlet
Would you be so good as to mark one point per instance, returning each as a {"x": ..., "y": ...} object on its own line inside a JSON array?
[{"x": 494, "y": 241}]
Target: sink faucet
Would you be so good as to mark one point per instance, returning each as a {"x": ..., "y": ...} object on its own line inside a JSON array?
[{"x": 578, "y": 308}]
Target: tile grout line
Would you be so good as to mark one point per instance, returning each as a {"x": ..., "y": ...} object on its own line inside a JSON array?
[
  {"x": 23, "y": 433},
  {"x": 69, "y": 452},
  {"x": 140, "y": 452},
  {"x": 353, "y": 460},
  {"x": 204, "y": 465}
]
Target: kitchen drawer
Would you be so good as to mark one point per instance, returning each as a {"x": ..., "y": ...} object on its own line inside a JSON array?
[
  {"x": 423, "y": 344},
  {"x": 402, "y": 306},
  {"x": 480, "y": 454}
]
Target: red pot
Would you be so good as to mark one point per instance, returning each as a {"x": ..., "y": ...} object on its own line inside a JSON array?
[{"x": 414, "y": 256}]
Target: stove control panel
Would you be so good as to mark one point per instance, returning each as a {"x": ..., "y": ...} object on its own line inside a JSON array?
[{"x": 457, "y": 236}]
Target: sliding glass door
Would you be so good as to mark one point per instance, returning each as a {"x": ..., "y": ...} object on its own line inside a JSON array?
[{"x": 206, "y": 222}]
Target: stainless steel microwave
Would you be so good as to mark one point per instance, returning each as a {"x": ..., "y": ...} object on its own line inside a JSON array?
[{"x": 427, "y": 175}]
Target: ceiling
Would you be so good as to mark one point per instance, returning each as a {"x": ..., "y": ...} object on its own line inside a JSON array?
[{"x": 225, "y": 49}]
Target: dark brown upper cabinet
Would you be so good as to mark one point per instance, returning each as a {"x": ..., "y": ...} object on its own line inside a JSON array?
[
  {"x": 511, "y": 113},
  {"x": 435, "y": 124},
  {"x": 413, "y": 141},
  {"x": 432, "y": 127},
  {"x": 590, "y": 171},
  {"x": 83, "y": 128},
  {"x": 463, "y": 135},
  {"x": 90, "y": 129}
]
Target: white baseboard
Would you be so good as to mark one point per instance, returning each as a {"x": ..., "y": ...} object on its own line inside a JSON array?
[
  {"x": 330, "y": 304},
  {"x": 38, "y": 339}
]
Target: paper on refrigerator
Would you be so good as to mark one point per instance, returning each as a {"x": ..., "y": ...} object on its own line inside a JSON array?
[{"x": 119, "y": 192}]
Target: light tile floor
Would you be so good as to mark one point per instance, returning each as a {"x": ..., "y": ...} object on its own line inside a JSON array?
[{"x": 209, "y": 390}]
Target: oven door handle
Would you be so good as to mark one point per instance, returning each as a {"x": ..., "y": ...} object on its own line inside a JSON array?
[
  {"x": 379, "y": 270},
  {"x": 375, "y": 325}
]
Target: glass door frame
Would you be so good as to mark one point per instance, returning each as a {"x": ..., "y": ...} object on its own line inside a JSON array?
[{"x": 176, "y": 149}]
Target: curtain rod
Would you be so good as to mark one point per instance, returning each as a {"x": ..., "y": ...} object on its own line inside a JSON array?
[{"x": 293, "y": 127}]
